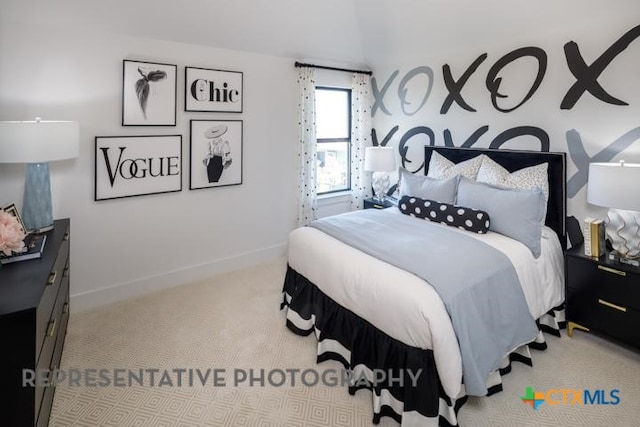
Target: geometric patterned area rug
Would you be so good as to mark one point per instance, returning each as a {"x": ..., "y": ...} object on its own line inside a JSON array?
[{"x": 231, "y": 324}]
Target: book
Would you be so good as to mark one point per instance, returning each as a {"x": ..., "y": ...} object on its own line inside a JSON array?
[
  {"x": 586, "y": 231},
  {"x": 597, "y": 238},
  {"x": 33, "y": 247},
  {"x": 594, "y": 237}
]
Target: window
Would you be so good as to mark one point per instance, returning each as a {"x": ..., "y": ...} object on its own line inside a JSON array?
[{"x": 333, "y": 135}]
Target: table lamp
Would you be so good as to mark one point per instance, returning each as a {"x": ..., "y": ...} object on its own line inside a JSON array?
[
  {"x": 615, "y": 185},
  {"x": 36, "y": 143},
  {"x": 380, "y": 160}
]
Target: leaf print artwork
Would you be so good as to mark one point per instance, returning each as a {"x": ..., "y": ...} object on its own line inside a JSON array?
[
  {"x": 142, "y": 86},
  {"x": 148, "y": 93}
]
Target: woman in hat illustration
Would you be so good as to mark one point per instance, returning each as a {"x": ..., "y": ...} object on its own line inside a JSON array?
[{"x": 219, "y": 156}]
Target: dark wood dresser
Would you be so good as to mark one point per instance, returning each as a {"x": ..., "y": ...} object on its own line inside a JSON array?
[
  {"x": 34, "y": 310},
  {"x": 603, "y": 296}
]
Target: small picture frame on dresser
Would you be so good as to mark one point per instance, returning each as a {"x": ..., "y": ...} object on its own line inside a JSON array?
[
  {"x": 615, "y": 257},
  {"x": 13, "y": 210}
]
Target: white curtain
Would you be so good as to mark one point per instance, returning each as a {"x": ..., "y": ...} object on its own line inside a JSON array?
[
  {"x": 307, "y": 150},
  {"x": 361, "y": 104}
]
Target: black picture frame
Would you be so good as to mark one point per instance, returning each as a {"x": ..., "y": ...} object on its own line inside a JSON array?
[
  {"x": 211, "y": 138},
  {"x": 149, "y": 93},
  {"x": 130, "y": 166},
  {"x": 12, "y": 209},
  {"x": 213, "y": 91}
]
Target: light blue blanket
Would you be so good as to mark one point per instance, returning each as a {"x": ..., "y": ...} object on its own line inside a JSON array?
[{"x": 477, "y": 283}]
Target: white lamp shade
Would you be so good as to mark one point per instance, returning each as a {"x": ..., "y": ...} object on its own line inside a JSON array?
[
  {"x": 38, "y": 141},
  {"x": 614, "y": 185},
  {"x": 379, "y": 159}
]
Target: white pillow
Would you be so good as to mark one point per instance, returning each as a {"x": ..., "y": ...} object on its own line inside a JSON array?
[
  {"x": 523, "y": 179},
  {"x": 442, "y": 168}
]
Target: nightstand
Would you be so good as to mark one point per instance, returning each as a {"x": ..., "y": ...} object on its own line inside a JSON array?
[
  {"x": 603, "y": 296},
  {"x": 374, "y": 204}
]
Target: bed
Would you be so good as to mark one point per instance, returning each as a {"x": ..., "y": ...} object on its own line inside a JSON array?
[{"x": 374, "y": 315}]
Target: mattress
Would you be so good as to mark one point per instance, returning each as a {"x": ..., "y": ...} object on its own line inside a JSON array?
[{"x": 406, "y": 307}]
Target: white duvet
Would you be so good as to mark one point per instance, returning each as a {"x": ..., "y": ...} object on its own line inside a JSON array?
[{"x": 406, "y": 307}]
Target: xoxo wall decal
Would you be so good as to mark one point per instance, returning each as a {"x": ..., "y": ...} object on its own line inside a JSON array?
[{"x": 586, "y": 78}]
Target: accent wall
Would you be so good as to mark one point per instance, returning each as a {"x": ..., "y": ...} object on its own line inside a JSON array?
[{"x": 576, "y": 91}]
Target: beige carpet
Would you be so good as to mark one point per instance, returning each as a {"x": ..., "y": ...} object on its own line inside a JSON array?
[{"x": 233, "y": 322}]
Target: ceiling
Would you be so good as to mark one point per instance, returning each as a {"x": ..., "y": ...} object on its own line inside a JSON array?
[{"x": 343, "y": 32}]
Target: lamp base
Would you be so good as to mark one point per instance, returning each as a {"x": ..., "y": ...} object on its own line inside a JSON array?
[
  {"x": 381, "y": 183},
  {"x": 623, "y": 229},
  {"x": 36, "y": 205}
]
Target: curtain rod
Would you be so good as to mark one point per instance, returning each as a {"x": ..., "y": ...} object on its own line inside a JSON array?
[{"x": 300, "y": 64}]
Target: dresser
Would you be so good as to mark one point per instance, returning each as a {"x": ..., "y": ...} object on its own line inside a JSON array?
[
  {"x": 603, "y": 296},
  {"x": 34, "y": 311}
]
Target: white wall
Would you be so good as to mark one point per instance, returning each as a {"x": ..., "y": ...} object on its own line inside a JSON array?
[
  {"x": 122, "y": 247},
  {"x": 599, "y": 124}
]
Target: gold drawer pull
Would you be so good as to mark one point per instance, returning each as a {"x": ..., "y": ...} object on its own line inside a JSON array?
[
  {"x": 65, "y": 308},
  {"x": 616, "y": 307},
  {"x": 612, "y": 270},
  {"x": 66, "y": 237},
  {"x": 51, "y": 329},
  {"x": 52, "y": 278},
  {"x": 53, "y": 370}
]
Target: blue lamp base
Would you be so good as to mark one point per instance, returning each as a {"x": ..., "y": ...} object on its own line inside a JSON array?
[{"x": 36, "y": 206}]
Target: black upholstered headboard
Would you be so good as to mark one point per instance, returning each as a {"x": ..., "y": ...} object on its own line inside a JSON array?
[{"x": 513, "y": 160}]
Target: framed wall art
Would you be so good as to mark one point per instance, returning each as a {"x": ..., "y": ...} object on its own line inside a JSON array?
[
  {"x": 148, "y": 94},
  {"x": 212, "y": 90},
  {"x": 215, "y": 153},
  {"x": 127, "y": 166}
]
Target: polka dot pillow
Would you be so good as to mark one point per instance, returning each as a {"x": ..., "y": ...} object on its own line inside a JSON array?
[
  {"x": 442, "y": 168},
  {"x": 454, "y": 216}
]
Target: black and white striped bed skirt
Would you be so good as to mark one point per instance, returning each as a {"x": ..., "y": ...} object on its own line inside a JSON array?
[{"x": 361, "y": 348}]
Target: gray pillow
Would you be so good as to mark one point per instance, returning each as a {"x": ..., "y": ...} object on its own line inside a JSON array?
[
  {"x": 514, "y": 213},
  {"x": 441, "y": 190}
]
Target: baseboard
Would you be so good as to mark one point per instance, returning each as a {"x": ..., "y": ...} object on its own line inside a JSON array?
[{"x": 87, "y": 300}]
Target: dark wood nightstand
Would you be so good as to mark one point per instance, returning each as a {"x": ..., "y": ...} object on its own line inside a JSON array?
[
  {"x": 374, "y": 204},
  {"x": 602, "y": 295}
]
